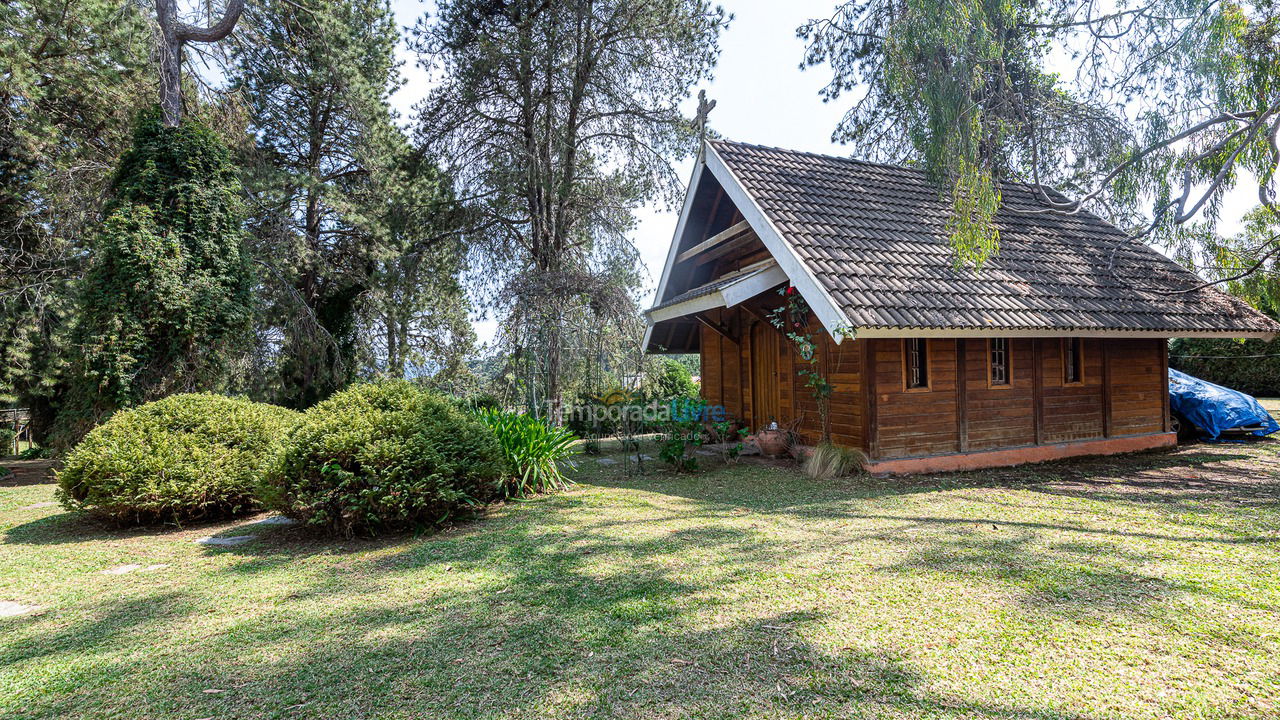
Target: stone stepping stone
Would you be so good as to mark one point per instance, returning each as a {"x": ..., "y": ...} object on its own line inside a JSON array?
[
  {"x": 39, "y": 505},
  {"x": 153, "y": 568},
  {"x": 13, "y": 609},
  {"x": 638, "y": 458},
  {"x": 121, "y": 570},
  {"x": 708, "y": 453},
  {"x": 277, "y": 520},
  {"x": 607, "y": 461},
  {"x": 225, "y": 541}
]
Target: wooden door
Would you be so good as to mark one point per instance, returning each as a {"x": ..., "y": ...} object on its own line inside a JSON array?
[{"x": 764, "y": 376}]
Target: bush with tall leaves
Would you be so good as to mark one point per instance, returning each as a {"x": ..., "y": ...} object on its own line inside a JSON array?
[
  {"x": 534, "y": 448},
  {"x": 167, "y": 297}
]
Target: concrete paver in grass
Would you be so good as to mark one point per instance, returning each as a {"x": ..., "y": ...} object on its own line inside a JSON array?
[
  {"x": 121, "y": 570},
  {"x": 231, "y": 541},
  {"x": 9, "y": 608},
  {"x": 277, "y": 520}
]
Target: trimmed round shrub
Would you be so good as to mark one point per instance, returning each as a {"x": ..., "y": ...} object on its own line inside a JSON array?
[
  {"x": 183, "y": 458},
  {"x": 384, "y": 457}
]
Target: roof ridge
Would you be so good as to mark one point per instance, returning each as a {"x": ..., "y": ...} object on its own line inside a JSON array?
[{"x": 870, "y": 163}]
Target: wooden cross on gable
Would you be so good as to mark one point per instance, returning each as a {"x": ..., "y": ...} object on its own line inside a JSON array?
[{"x": 700, "y": 120}]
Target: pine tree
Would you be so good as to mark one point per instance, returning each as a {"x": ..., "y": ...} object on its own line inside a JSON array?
[{"x": 318, "y": 75}]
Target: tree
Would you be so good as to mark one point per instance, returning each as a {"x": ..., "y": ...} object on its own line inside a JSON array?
[
  {"x": 166, "y": 300},
  {"x": 174, "y": 36},
  {"x": 416, "y": 309},
  {"x": 561, "y": 118},
  {"x": 317, "y": 76},
  {"x": 1170, "y": 104},
  {"x": 74, "y": 79}
]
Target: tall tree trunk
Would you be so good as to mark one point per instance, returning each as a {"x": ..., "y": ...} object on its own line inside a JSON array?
[{"x": 173, "y": 36}]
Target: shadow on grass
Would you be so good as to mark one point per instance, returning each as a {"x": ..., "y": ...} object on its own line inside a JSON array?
[
  {"x": 105, "y": 624},
  {"x": 542, "y": 631}
]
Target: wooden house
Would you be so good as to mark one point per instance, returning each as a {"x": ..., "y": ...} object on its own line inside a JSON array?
[{"x": 1057, "y": 346}]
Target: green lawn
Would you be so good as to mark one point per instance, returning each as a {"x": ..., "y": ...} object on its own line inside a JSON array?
[{"x": 1143, "y": 587}]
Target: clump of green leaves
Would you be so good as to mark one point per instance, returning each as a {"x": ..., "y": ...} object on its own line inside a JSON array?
[
  {"x": 534, "y": 449},
  {"x": 35, "y": 453},
  {"x": 183, "y": 458},
  {"x": 167, "y": 299},
  {"x": 385, "y": 457},
  {"x": 682, "y": 434}
]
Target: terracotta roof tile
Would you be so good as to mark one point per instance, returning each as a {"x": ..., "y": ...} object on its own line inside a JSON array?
[{"x": 875, "y": 238}]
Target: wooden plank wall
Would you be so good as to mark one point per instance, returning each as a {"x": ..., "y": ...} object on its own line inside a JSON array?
[
  {"x": 1000, "y": 416},
  {"x": 1139, "y": 386},
  {"x": 1127, "y": 376},
  {"x": 1072, "y": 412},
  {"x": 726, "y": 379},
  {"x": 913, "y": 422}
]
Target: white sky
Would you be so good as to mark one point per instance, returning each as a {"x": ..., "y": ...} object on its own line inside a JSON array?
[{"x": 762, "y": 97}]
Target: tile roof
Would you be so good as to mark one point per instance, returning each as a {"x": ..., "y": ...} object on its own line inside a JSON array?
[
  {"x": 716, "y": 285},
  {"x": 875, "y": 238}
]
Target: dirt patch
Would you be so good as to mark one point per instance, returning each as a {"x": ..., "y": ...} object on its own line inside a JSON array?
[{"x": 27, "y": 472}]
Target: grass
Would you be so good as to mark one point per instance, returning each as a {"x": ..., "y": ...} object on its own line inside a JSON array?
[{"x": 1142, "y": 587}]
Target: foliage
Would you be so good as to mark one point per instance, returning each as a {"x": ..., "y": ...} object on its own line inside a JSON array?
[
  {"x": 829, "y": 460},
  {"x": 356, "y": 228},
  {"x": 534, "y": 449},
  {"x": 959, "y": 87},
  {"x": 1250, "y": 366},
  {"x": 561, "y": 119},
  {"x": 7, "y": 435},
  {"x": 384, "y": 457},
  {"x": 75, "y": 74},
  {"x": 792, "y": 320},
  {"x": 35, "y": 452},
  {"x": 166, "y": 301},
  {"x": 730, "y": 437},
  {"x": 183, "y": 458},
  {"x": 673, "y": 380},
  {"x": 1166, "y": 104},
  {"x": 682, "y": 434}
]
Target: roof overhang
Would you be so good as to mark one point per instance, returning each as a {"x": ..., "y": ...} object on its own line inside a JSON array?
[
  {"x": 794, "y": 270},
  {"x": 1057, "y": 332},
  {"x": 814, "y": 294},
  {"x": 724, "y": 292}
]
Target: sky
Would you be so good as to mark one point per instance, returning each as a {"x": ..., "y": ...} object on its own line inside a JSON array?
[{"x": 762, "y": 96}]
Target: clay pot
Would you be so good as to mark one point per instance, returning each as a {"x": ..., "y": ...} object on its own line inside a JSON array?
[{"x": 773, "y": 443}]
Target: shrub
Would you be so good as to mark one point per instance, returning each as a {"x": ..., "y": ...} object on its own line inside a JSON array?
[
  {"x": 6, "y": 440},
  {"x": 185, "y": 457},
  {"x": 673, "y": 380},
  {"x": 829, "y": 461},
  {"x": 533, "y": 448},
  {"x": 1250, "y": 366},
  {"x": 385, "y": 457},
  {"x": 35, "y": 453}
]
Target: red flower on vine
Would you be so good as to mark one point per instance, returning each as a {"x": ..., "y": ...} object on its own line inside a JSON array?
[{"x": 791, "y": 290}]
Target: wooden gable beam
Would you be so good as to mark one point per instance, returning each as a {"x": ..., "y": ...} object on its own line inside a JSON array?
[
  {"x": 732, "y": 232},
  {"x": 717, "y": 328}
]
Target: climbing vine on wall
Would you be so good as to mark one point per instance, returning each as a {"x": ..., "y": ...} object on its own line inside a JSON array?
[{"x": 792, "y": 319}]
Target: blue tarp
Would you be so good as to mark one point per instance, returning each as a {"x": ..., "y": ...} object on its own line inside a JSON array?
[{"x": 1214, "y": 409}]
